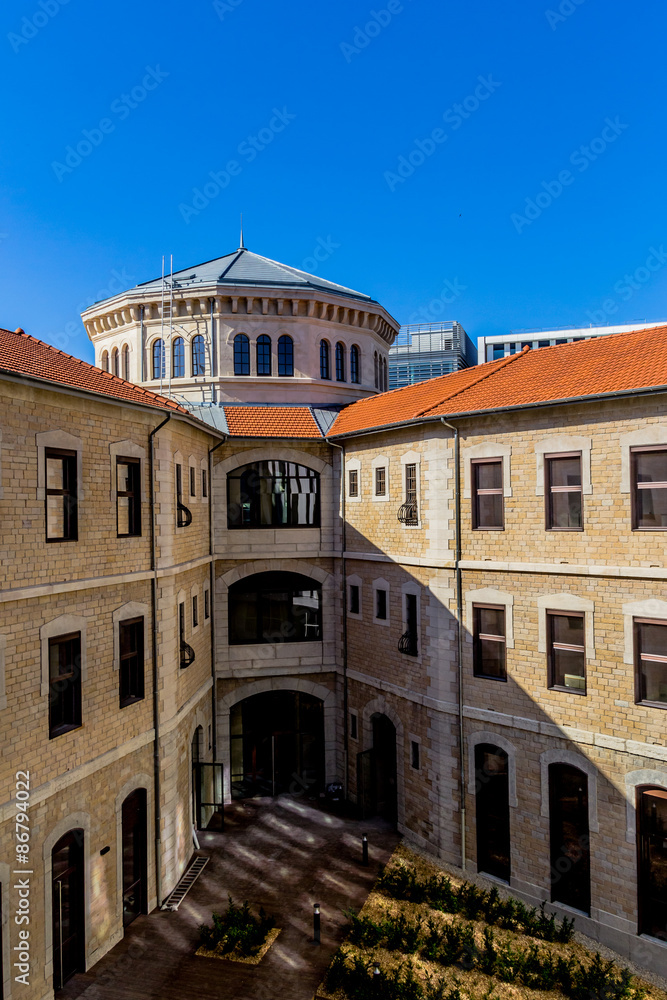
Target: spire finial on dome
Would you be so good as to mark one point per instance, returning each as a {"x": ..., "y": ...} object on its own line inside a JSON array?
[{"x": 241, "y": 244}]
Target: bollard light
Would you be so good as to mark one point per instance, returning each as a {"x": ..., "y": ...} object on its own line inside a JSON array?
[
  {"x": 376, "y": 977},
  {"x": 364, "y": 850},
  {"x": 316, "y": 923}
]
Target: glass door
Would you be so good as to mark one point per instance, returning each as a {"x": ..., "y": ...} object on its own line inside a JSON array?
[
  {"x": 134, "y": 856},
  {"x": 207, "y": 781},
  {"x": 493, "y": 811},
  {"x": 570, "y": 841},
  {"x": 67, "y": 907}
]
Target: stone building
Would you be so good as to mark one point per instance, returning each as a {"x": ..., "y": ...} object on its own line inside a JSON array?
[{"x": 450, "y": 598}]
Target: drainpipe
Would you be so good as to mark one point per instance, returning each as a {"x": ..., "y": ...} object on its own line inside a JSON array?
[
  {"x": 211, "y": 591},
  {"x": 156, "y": 704},
  {"x": 459, "y": 628},
  {"x": 346, "y": 735}
]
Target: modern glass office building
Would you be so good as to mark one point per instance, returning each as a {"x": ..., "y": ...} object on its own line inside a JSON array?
[{"x": 427, "y": 350}]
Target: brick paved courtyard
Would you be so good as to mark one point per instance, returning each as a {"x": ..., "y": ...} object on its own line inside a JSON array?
[{"x": 284, "y": 854}]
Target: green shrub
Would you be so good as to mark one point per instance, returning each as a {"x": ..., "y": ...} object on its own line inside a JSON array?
[{"x": 236, "y": 930}]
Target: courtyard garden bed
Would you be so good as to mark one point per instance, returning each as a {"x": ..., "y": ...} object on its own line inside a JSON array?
[
  {"x": 424, "y": 934},
  {"x": 237, "y": 935}
]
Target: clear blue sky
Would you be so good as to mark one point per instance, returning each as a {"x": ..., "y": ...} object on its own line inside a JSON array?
[{"x": 352, "y": 100}]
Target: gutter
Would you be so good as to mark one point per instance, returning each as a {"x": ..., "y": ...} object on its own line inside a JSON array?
[
  {"x": 343, "y": 571},
  {"x": 459, "y": 630},
  {"x": 211, "y": 590},
  {"x": 156, "y": 702}
]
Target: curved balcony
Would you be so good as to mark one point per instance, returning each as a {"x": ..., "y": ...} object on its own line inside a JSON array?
[
  {"x": 407, "y": 513},
  {"x": 408, "y": 644},
  {"x": 183, "y": 516},
  {"x": 187, "y": 654}
]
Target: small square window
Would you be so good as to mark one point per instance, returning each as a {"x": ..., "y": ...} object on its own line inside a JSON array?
[
  {"x": 414, "y": 754},
  {"x": 487, "y": 494},
  {"x": 131, "y": 644},
  {"x": 354, "y": 599},
  {"x": 380, "y": 481},
  {"x": 381, "y": 604},
  {"x": 566, "y": 651},
  {"x": 651, "y": 661},
  {"x": 488, "y": 646},
  {"x": 353, "y": 725},
  {"x": 353, "y": 483}
]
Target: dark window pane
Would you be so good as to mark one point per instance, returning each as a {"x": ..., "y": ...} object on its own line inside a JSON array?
[
  {"x": 325, "y": 360},
  {"x": 489, "y": 510},
  {"x": 340, "y": 362},
  {"x": 568, "y": 629},
  {"x": 652, "y": 650},
  {"x": 158, "y": 359},
  {"x": 273, "y": 494},
  {"x": 489, "y": 475},
  {"x": 354, "y": 483},
  {"x": 274, "y": 607},
  {"x": 61, "y": 495},
  {"x": 198, "y": 356},
  {"x": 565, "y": 510},
  {"x": 381, "y": 604},
  {"x": 354, "y": 599},
  {"x": 489, "y": 642},
  {"x": 64, "y": 684},
  {"x": 178, "y": 353},
  {"x": 492, "y": 621},
  {"x": 285, "y": 356},
  {"x": 651, "y": 508},
  {"x": 565, "y": 471},
  {"x": 380, "y": 482},
  {"x": 567, "y": 656},
  {"x": 241, "y": 354},
  {"x": 651, "y": 466},
  {"x": 355, "y": 368},
  {"x": 263, "y": 355},
  {"x": 131, "y": 642}
]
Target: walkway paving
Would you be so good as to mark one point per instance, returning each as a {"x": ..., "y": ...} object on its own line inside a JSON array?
[{"x": 284, "y": 854}]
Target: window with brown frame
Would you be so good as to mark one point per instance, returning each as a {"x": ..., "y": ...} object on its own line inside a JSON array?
[
  {"x": 489, "y": 641},
  {"x": 128, "y": 497},
  {"x": 64, "y": 684},
  {"x": 649, "y": 489},
  {"x": 380, "y": 481},
  {"x": 563, "y": 492},
  {"x": 651, "y": 661},
  {"x": 487, "y": 493},
  {"x": 566, "y": 651},
  {"x": 61, "y": 496},
  {"x": 353, "y": 489},
  {"x": 131, "y": 645}
]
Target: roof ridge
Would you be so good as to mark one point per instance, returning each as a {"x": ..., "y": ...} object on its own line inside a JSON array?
[
  {"x": 230, "y": 265},
  {"x": 504, "y": 363}
]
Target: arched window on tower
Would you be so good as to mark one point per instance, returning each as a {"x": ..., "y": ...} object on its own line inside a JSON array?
[
  {"x": 386, "y": 375},
  {"x": 126, "y": 363},
  {"x": 375, "y": 368},
  {"x": 105, "y": 361},
  {"x": 241, "y": 354},
  {"x": 355, "y": 364},
  {"x": 158, "y": 359},
  {"x": 285, "y": 355},
  {"x": 198, "y": 355},
  {"x": 178, "y": 358},
  {"x": 325, "y": 359},
  {"x": 263, "y": 355},
  {"x": 340, "y": 362},
  {"x": 115, "y": 363}
]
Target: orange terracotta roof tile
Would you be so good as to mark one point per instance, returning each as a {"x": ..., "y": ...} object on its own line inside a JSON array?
[
  {"x": 21, "y": 354},
  {"x": 271, "y": 421},
  {"x": 621, "y": 362}
]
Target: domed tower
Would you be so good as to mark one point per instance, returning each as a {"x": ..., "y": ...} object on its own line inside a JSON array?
[{"x": 244, "y": 328}]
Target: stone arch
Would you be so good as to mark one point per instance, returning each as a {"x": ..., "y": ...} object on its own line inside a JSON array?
[
  {"x": 380, "y": 706},
  {"x": 633, "y": 781},
  {"x": 273, "y": 565},
  {"x": 140, "y": 780},
  {"x": 486, "y": 736},
  {"x": 272, "y": 451},
  {"x": 73, "y": 821},
  {"x": 261, "y": 686},
  {"x": 583, "y": 764}
]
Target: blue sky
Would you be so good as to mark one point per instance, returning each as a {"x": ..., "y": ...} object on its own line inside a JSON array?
[{"x": 333, "y": 126}]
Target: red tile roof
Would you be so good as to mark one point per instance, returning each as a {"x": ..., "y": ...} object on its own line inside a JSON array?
[
  {"x": 620, "y": 362},
  {"x": 22, "y": 354},
  {"x": 271, "y": 421}
]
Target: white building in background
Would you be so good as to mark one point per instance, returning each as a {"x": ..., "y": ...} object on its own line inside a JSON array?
[{"x": 502, "y": 345}]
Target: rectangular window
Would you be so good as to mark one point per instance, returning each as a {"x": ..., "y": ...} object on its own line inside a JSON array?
[
  {"x": 414, "y": 754},
  {"x": 207, "y": 605},
  {"x": 64, "y": 684},
  {"x": 195, "y": 612},
  {"x": 179, "y": 483},
  {"x": 354, "y": 483},
  {"x": 193, "y": 481},
  {"x": 488, "y": 656},
  {"x": 181, "y": 622},
  {"x": 649, "y": 479},
  {"x": 204, "y": 483},
  {"x": 354, "y": 599},
  {"x": 381, "y": 604},
  {"x": 61, "y": 496},
  {"x": 353, "y": 725},
  {"x": 564, "y": 500},
  {"x": 380, "y": 482},
  {"x": 411, "y": 484},
  {"x": 651, "y": 661},
  {"x": 128, "y": 497},
  {"x": 131, "y": 645},
  {"x": 566, "y": 651},
  {"x": 487, "y": 493}
]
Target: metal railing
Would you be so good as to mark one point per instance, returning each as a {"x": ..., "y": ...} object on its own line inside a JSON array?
[
  {"x": 408, "y": 644},
  {"x": 184, "y": 515},
  {"x": 407, "y": 513},
  {"x": 187, "y": 654}
]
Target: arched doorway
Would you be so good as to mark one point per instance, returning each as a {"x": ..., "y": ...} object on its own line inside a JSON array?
[
  {"x": 277, "y": 744},
  {"x": 570, "y": 839},
  {"x": 652, "y": 847},
  {"x": 377, "y": 786},
  {"x": 492, "y": 811},
  {"x": 135, "y": 872},
  {"x": 68, "y": 907}
]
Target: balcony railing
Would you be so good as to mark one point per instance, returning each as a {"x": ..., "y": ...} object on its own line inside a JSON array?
[
  {"x": 187, "y": 654},
  {"x": 183, "y": 516},
  {"x": 407, "y": 513},
  {"x": 408, "y": 644}
]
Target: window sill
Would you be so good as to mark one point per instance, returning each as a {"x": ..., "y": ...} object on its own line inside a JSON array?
[
  {"x": 662, "y": 527},
  {"x": 132, "y": 701},
  {"x": 61, "y": 730},
  {"x": 549, "y": 528},
  {"x": 489, "y": 677},
  {"x": 653, "y": 704},
  {"x": 51, "y": 541},
  {"x": 489, "y": 527},
  {"x": 271, "y": 527},
  {"x": 568, "y": 690}
]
